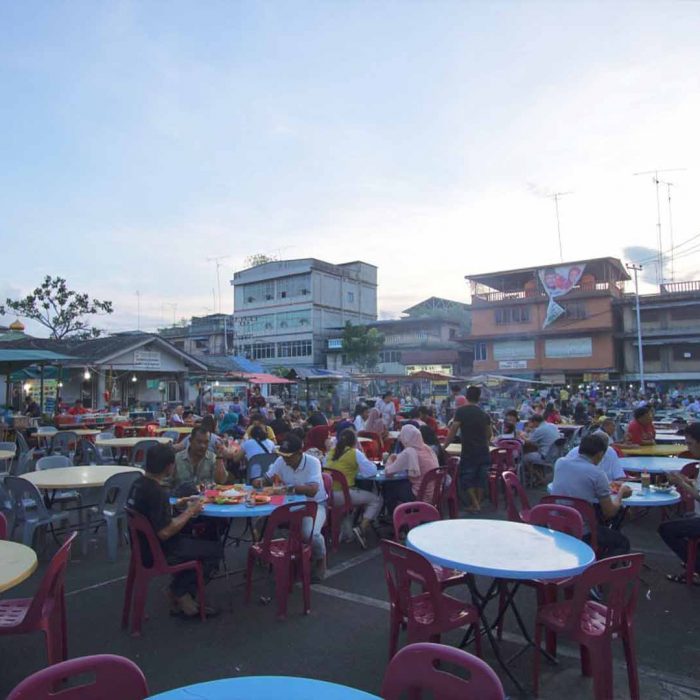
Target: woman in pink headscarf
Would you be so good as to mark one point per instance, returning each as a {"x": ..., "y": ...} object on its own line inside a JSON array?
[
  {"x": 375, "y": 424},
  {"x": 416, "y": 460}
]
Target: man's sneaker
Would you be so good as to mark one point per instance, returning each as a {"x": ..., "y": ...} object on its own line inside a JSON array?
[{"x": 360, "y": 537}]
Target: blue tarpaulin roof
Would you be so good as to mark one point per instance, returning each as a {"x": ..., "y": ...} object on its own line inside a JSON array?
[{"x": 20, "y": 355}]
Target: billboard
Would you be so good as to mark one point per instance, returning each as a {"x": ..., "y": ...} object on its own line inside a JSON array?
[{"x": 556, "y": 282}]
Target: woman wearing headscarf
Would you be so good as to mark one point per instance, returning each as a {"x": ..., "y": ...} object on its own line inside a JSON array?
[
  {"x": 416, "y": 460},
  {"x": 375, "y": 424},
  {"x": 229, "y": 422}
]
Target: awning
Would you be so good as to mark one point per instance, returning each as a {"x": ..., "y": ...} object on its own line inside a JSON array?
[
  {"x": 317, "y": 373},
  {"x": 433, "y": 376},
  {"x": 267, "y": 379},
  {"x": 31, "y": 356},
  {"x": 484, "y": 378}
]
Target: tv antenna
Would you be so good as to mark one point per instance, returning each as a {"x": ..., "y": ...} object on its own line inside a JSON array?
[
  {"x": 217, "y": 261},
  {"x": 555, "y": 196}
]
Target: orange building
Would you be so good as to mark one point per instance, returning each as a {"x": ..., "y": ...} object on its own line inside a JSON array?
[{"x": 552, "y": 322}]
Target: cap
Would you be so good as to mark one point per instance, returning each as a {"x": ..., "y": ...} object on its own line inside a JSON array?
[{"x": 291, "y": 444}]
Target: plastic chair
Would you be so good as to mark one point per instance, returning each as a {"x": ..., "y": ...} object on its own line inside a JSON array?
[
  {"x": 289, "y": 558},
  {"x": 316, "y": 437},
  {"x": 111, "y": 509},
  {"x": 432, "y": 487},
  {"x": 46, "y": 611},
  {"x": 3, "y": 527},
  {"x": 592, "y": 625},
  {"x": 145, "y": 542},
  {"x": 376, "y": 439},
  {"x": 43, "y": 436},
  {"x": 427, "y": 614},
  {"x": 586, "y": 510},
  {"x": 115, "y": 678},
  {"x": 23, "y": 463},
  {"x": 64, "y": 443},
  {"x": 501, "y": 461},
  {"x": 22, "y": 443},
  {"x": 259, "y": 464},
  {"x": 336, "y": 512},
  {"x": 139, "y": 451},
  {"x": 421, "y": 668},
  {"x": 29, "y": 509},
  {"x": 410, "y": 515},
  {"x": 10, "y": 447},
  {"x": 451, "y": 494},
  {"x": 86, "y": 453},
  {"x": 57, "y": 461},
  {"x": 372, "y": 452},
  {"x": 172, "y": 434},
  {"x": 515, "y": 496}
]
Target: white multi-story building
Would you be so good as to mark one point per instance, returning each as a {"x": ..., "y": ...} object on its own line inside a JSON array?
[{"x": 284, "y": 310}]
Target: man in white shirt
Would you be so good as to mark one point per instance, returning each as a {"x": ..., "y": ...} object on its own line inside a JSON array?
[
  {"x": 294, "y": 468},
  {"x": 387, "y": 410}
]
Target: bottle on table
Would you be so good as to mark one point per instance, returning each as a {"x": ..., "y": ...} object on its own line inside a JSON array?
[{"x": 646, "y": 480}]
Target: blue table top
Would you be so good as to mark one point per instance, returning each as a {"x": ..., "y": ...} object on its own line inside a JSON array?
[
  {"x": 212, "y": 510},
  {"x": 645, "y": 499},
  {"x": 501, "y": 549},
  {"x": 264, "y": 688},
  {"x": 383, "y": 476},
  {"x": 654, "y": 465}
]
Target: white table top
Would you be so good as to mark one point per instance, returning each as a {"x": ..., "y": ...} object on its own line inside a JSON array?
[
  {"x": 501, "y": 549},
  {"x": 17, "y": 562},
  {"x": 654, "y": 465},
  {"x": 80, "y": 432},
  {"x": 6, "y": 454},
  {"x": 455, "y": 449},
  {"x": 129, "y": 441},
  {"x": 180, "y": 430},
  {"x": 654, "y": 450},
  {"x": 669, "y": 439},
  {"x": 76, "y": 477}
]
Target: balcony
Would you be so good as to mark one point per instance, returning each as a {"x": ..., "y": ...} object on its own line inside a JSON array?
[
  {"x": 680, "y": 287},
  {"x": 615, "y": 289}
]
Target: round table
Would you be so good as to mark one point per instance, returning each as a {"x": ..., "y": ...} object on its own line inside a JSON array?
[
  {"x": 644, "y": 499},
  {"x": 80, "y": 432},
  {"x": 241, "y": 510},
  {"x": 669, "y": 439},
  {"x": 128, "y": 442},
  {"x": 265, "y": 688},
  {"x": 454, "y": 449},
  {"x": 381, "y": 477},
  {"x": 501, "y": 549},
  {"x": 654, "y": 465},
  {"x": 653, "y": 450},
  {"x": 17, "y": 562},
  {"x": 7, "y": 454},
  {"x": 180, "y": 430},
  {"x": 92, "y": 476}
]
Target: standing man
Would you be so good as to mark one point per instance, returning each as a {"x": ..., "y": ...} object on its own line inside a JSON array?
[
  {"x": 387, "y": 409},
  {"x": 474, "y": 426}
]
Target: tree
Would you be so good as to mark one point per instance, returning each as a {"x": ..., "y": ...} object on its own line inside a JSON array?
[
  {"x": 259, "y": 259},
  {"x": 361, "y": 346},
  {"x": 59, "y": 309}
]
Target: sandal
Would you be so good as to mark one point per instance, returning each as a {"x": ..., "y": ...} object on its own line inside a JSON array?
[{"x": 680, "y": 578}]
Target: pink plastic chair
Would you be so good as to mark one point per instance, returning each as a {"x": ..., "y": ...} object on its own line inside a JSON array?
[
  {"x": 289, "y": 558},
  {"x": 501, "y": 461},
  {"x": 316, "y": 437},
  {"x": 336, "y": 512},
  {"x": 428, "y": 613},
  {"x": 409, "y": 515},
  {"x": 3, "y": 527},
  {"x": 115, "y": 678},
  {"x": 46, "y": 611},
  {"x": 432, "y": 487},
  {"x": 515, "y": 492},
  {"x": 586, "y": 511},
  {"x": 451, "y": 494},
  {"x": 140, "y": 574},
  {"x": 417, "y": 668},
  {"x": 592, "y": 625}
]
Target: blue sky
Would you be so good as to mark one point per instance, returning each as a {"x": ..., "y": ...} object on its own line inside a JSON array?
[{"x": 140, "y": 138}]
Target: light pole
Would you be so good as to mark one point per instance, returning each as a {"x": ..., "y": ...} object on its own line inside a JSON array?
[{"x": 636, "y": 269}]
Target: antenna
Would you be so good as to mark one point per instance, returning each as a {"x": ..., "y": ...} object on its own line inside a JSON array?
[
  {"x": 670, "y": 228},
  {"x": 556, "y": 197},
  {"x": 217, "y": 262},
  {"x": 138, "y": 310},
  {"x": 657, "y": 182},
  {"x": 173, "y": 306}
]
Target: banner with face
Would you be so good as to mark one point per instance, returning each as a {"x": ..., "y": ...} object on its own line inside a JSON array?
[{"x": 556, "y": 282}]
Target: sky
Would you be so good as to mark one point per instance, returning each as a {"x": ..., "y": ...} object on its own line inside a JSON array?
[{"x": 140, "y": 140}]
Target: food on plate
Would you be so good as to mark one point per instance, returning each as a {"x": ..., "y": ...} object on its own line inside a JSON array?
[{"x": 260, "y": 499}]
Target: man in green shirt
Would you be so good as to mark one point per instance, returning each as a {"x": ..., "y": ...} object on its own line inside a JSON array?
[{"x": 198, "y": 463}]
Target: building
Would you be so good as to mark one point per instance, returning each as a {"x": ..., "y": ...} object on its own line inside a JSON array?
[
  {"x": 284, "y": 310},
  {"x": 431, "y": 337},
  {"x": 203, "y": 335},
  {"x": 670, "y": 323},
  {"x": 552, "y": 322}
]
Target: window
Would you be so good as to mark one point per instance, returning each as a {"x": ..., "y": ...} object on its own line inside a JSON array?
[
  {"x": 651, "y": 353},
  {"x": 684, "y": 313},
  {"x": 480, "y": 351},
  {"x": 259, "y": 291},
  {"x": 575, "y": 311},
  {"x": 263, "y": 351},
  {"x": 390, "y": 356},
  {"x": 294, "y": 348},
  {"x": 351, "y": 297},
  {"x": 453, "y": 333},
  {"x": 173, "y": 391},
  {"x": 686, "y": 352},
  {"x": 512, "y": 314},
  {"x": 294, "y": 286},
  {"x": 200, "y": 344},
  {"x": 650, "y": 315},
  {"x": 294, "y": 319}
]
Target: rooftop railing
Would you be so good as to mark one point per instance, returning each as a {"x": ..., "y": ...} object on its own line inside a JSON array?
[
  {"x": 679, "y": 287},
  {"x": 612, "y": 288}
]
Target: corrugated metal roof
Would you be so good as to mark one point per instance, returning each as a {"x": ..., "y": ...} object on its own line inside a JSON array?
[{"x": 27, "y": 355}]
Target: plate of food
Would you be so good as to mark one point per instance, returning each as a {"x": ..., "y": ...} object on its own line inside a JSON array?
[
  {"x": 260, "y": 499},
  {"x": 222, "y": 500},
  {"x": 663, "y": 488}
]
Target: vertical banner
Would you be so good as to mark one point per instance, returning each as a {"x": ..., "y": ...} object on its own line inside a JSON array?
[{"x": 556, "y": 282}]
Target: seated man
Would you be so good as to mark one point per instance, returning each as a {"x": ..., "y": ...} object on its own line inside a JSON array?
[
  {"x": 280, "y": 426},
  {"x": 77, "y": 409},
  {"x": 149, "y": 497},
  {"x": 540, "y": 438},
  {"x": 675, "y": 533},
  {"x": 580, "y": 476},
  {"x": 257, "y": 418},
  {"x": 640, "y": 430},
  {"x": 197, "y": 464},
  {"x": 611, "y": 464},
  {"x": 176, "y": 417},
  {"x": 303, "y": 472}
]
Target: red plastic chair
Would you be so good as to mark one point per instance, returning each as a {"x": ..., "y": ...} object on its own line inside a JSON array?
[
  {"x": 289, "y": 558},
  {"x": 451, "y": 494},
  {"x": 376, "y": 439},
  {"x": 592, "y": 625},
  {"x": 501, "y": 461},
  {"x": 46, "y": 611},
  {"x": 586, "y": 511},
  {"x": 515, "y": 492},
  {"x": 410, "y": 515},
  {"x": 428, "y": 613},
  {"x": 421, "y": 667},
  {"x": 145, "y": 541},
  {"x": 115, "y": 678},
  {"x": 432, "y": 487},
  {"x": 336, "y": 512},
  {"x": 371, "y": 450},
  {"x": 316, "y": 437},
  {"x": 687, "y": 505},
  {"x": 3, "y": 527}
]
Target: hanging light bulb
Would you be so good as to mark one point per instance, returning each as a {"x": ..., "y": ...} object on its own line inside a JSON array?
[
  {"x": 27, "y": 387},
  {"x": 86, "y": 375},
  {"x": 133, "y": 377},
  {"x": 216, "y": 383},
  {"x": 60, "y": 385}
]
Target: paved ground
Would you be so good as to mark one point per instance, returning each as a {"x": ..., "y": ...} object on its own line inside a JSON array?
[{"x": 345, "y": 637}]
